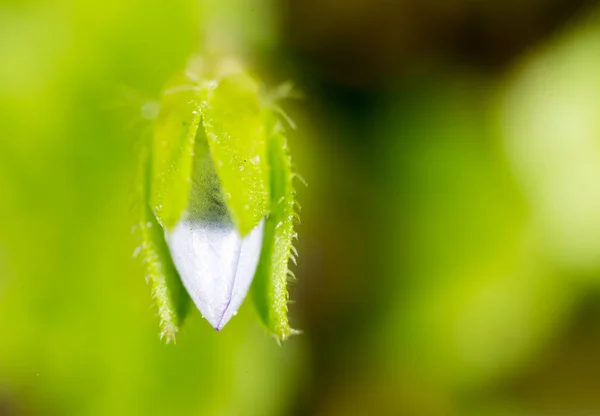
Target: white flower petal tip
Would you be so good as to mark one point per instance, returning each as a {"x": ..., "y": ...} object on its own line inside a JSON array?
[{"x": 216, "y": 265}]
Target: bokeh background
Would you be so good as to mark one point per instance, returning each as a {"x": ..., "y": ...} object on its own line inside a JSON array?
[{"x": 450, "y": 238}]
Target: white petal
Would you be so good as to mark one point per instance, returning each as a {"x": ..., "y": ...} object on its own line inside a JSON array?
[{"x": 216, "y": 265}]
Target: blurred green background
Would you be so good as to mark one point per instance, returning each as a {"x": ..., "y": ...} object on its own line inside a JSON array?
[{"x": 450, "y": 238}]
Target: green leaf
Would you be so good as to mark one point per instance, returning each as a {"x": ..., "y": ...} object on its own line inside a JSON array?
[
  {"x": 168, "y": 292},
  {"x": 270, "y": 282},
  {"x": 174, "y": 136},
  {"x": 233, "y": 122}
]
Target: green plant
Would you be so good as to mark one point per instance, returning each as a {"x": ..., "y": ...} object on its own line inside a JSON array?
[{"x": 216, "y": 199}]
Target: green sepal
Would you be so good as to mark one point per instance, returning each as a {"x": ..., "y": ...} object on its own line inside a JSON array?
[
  {"x": 173, "y": 151},
  {"x": 269, "y": 288},
  {"x": 233, "y": 123},
  {"x": 168, "y": 292}
]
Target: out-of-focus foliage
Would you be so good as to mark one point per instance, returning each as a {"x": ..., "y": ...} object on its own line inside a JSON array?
[
  {"x": 551, "y": 131},
  {"x": 496, "y": 301}
]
